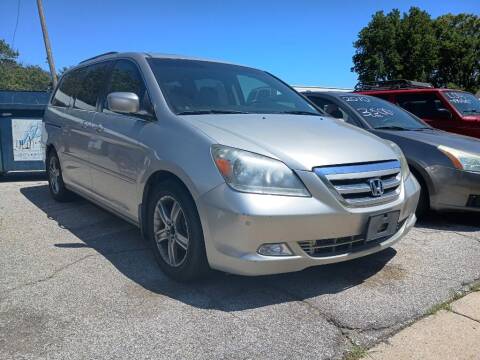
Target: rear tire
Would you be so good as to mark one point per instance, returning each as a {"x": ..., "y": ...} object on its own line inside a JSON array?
[
  {"x": 175, "y": 233},
  {"x": 55, "y": 179}
]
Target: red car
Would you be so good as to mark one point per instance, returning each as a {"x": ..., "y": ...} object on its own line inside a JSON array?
[{"x": 446, "y": 109}]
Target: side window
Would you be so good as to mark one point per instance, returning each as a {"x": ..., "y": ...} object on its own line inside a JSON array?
[
  {"x": 127, "y": 78},
  {"x": 422, "y": 105},
  {"x": 91, "y": 80},
  {"x": 331, "y": 108},
  {"x": 64, "y": 95}
]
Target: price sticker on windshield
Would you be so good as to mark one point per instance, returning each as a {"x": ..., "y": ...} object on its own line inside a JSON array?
[{"x": 378, "y": 112}]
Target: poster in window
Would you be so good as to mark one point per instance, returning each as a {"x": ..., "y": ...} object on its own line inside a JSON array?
[{"x": 26, "y": 139}]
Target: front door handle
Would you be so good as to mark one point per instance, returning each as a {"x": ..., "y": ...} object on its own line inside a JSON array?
[
  {"x": 99, "y": 128},
  {"x": 86, "y": 124}
]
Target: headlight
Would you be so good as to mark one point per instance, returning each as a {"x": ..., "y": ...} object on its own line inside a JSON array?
[
  {"x": 248, "y": 172},
  {"x": 462, "y": 160},
  {"x": 401, "y": 157}
]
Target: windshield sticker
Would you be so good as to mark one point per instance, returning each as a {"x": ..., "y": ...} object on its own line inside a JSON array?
[
  {"x": 375, "y": 112},
  {"x": 458, "y": 98},
  {"x": 356, "y": 99}
]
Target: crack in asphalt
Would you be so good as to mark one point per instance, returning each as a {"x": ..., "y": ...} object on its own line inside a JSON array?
[
  {"x": 64, "y": 267},
  {"x": 465, "y": 235},
  {"x": 447, "y": 229}
]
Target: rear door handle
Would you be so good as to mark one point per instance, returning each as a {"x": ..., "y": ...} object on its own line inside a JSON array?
[
  {"x": 86, "y": 124},
  {"x": 99, "y": 128}
]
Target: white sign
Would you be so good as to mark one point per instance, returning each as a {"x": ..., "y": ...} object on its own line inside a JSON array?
[{"x": 26, "y": 139}]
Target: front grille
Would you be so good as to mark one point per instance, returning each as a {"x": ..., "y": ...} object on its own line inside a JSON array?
[
  {"x": 352, "y": 183},
  {"x": 340, "y": 246}
]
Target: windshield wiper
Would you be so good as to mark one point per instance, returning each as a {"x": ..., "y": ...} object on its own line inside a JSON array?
[
  {"x": 211, "y": 111},
  {"x": 300, "y": 112},
  {"x": 399, "y": 128},
  {"x": 470, "y": 111}
]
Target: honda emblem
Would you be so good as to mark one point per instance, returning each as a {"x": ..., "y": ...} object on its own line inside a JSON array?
[{"x": 376, "y": 186}]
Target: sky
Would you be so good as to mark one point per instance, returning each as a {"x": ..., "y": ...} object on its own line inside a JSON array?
[{"x": 304, "y": 42}]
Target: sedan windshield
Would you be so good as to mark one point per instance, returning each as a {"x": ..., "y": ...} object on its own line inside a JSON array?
[
  {"x": 464, "y": 102},
  {"x": 381, "y": 114},
  {"x": 193, "y": 87}
]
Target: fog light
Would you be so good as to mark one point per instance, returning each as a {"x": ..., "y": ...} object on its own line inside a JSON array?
[{"x": 274, "y": 250}]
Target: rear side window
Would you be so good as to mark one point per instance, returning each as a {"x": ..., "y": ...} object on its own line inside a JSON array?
[
  {"x": 422, "y": 105},
  {"x": 90, "y": 81},
  {"x": 127, "y": 78},
  {"x": 64, "y": 95}
]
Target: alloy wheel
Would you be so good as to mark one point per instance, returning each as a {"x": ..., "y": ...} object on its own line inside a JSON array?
[
  {"x": 171, "y": 231},
  {"x": 54, "y": 175}
]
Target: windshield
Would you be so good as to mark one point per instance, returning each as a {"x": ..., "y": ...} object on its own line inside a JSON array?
[
  {"x": 381, "y": 114},
  {"x": 466, "y": 103},
  {"x": 201, "y": 87}
]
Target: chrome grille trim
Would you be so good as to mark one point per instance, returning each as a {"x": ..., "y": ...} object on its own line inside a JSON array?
[
  {"x": 363, "y": 188},
  {"x": 350, "y": 183},
  {"x": 362, "y": 175}
]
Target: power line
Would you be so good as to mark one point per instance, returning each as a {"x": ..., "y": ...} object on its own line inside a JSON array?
[{"x": 16, "y": 23}]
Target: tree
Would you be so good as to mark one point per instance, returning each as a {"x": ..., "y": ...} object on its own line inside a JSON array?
[
  {"x": 16, "y": 76},
  {"x": 444, "y": 51},
  {"x": 377, "y": 56},
  {"x": 459, "y": 51}
]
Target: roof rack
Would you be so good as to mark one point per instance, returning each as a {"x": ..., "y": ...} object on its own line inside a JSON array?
[
  {"x": 392, "y": 85},
  {"x": 95, "y": 57}
]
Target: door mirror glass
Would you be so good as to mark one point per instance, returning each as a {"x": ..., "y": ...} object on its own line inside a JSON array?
[
  {"x": 123, "y": 102},
  {"x": 444, "y": 114}
]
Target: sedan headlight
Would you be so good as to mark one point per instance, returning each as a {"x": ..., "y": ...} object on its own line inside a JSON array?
[
  {"x": 252, "y": 173},
  {"x": 462, "y": 160},
  {"x": 401, "y": 157}
]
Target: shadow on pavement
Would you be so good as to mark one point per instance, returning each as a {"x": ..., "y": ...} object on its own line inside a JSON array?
[
  {"x": 121, "y": 244},
  {"x": 459, "y": 221},
  {"x": 23, "y": 176}
]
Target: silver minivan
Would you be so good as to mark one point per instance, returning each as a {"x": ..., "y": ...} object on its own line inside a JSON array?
[{"x": 223, "y": 166}]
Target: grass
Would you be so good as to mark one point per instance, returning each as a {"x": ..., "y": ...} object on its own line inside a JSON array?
[
  {"x": 357, "y": 352},
  {"x": 476, "y": 287},
  {"x": 437, "y": 307},
  {"x": 447, "y": 304}
]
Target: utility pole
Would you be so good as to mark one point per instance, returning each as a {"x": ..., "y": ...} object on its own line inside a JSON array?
[{"x": 47, "y": 43}]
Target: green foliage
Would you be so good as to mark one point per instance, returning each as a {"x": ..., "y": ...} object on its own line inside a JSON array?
[
  {"x": 444, "y": 51},
  {"x": 458, "y": 50},
  {"x": 16, "y": 76},
  {"x": 357, "y": 352}
]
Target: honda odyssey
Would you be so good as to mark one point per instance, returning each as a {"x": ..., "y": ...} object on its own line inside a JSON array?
[{"x": 223, "y": 166}]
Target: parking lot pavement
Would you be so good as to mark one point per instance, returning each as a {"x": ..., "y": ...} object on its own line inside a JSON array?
[{"x": 77, "y": 282}]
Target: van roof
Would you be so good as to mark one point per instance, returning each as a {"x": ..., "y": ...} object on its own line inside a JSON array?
[{"x": 115, "y": 54}]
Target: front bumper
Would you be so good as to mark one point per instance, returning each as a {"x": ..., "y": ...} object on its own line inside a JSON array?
[
  {"x": 235, "y": 224},
  {"x": 451, "y": 189}
]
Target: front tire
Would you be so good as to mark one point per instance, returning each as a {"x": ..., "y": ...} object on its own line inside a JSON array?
[
  {"x": 55, "y": 179},
  {"x": 423, "y": 206},
  {"x": 175, "y": 232}
]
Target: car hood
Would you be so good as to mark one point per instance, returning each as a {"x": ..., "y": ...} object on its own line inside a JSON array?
[
  {"x": 435, "y": 138},
  {"x": 301, "y": 141}
]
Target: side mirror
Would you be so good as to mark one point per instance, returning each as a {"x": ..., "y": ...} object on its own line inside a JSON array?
[
  {"x": 123, "y": 102},
  {"x": 444, "y": 114}
]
